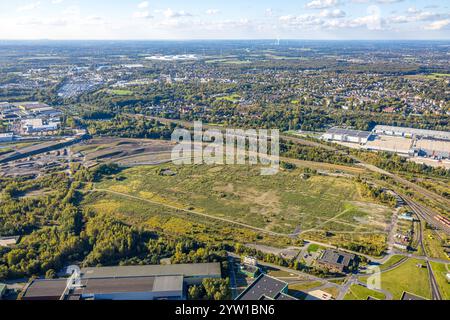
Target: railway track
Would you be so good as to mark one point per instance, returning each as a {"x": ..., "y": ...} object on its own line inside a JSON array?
[
  {"x": 435, "y": 293},
  {"x": 429, "y": 216}
]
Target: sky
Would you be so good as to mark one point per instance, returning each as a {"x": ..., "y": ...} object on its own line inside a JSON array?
[{"x": 225, "y": 19}]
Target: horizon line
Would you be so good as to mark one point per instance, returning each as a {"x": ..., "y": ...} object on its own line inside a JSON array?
[{"x": 229, "y": 39}]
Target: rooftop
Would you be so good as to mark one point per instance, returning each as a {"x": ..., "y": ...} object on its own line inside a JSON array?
[
  {"x": 265, "y": 288},
  {"x": 410, "y": 296},
  {"x": 337, "y": 258},
  {"x": 419, "y": 132},
  {"x": 349, "y": 132},
  {"x": 187, "y": 270},
  {"x": 39, "y": 289}
]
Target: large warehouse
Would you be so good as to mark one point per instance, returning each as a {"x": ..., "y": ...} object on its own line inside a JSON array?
[
  {"x": 347, "y": 135},
  {"x": 411, "y": 132},
  {"x": 153, "y": 282}
]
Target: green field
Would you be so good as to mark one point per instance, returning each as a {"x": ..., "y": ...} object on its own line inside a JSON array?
[
  {"x": 407, "y": 277},
  {"x": 280, "y": 203},
  {"x": 440, "y": 270},
  {"x": 232, "y": 98},
  {"x": 358, "y": 292},
  {"x": 121, "y": 92},
  {"x": 298, "y": 288},
  {"x": 392, "y": 260}
]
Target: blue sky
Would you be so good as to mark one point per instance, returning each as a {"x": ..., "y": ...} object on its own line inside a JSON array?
[{"x": 230, "y": 19}]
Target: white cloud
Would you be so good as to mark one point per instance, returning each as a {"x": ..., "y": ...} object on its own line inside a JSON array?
[
  {"x": 389, "y": 1},
  {"x": 269, "y": 12},
  {"x": 57, "y": 1},
  {"x": 322, "y": 4},
  {"x": 336, "y": 13},
  {"x": 414, "y": 15},
  {"x": 142, "y": 15},
  {"x": 334, "y": 19},
  {"x": 372, "y": 21},
  {"x": 169, "y": 13},
  {"x": 438, "y": 25},
  {"x": 143, "y": 5},
  {"x": 212, "y": 12},
  {"x": 72, "y": 11},
  {"x": 29, "y": 7}
]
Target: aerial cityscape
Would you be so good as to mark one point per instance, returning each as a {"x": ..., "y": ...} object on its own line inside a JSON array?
[{"x": 290, "y": 152}]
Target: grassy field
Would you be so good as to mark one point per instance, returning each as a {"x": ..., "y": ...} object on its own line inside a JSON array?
[
  {"x": 440, "y": 270},
  {"x": 232, "y": 98},
  {"x": 433, "y": 245},
  {"x": 120, "y": 92},
  {"x": 280, "y": 203},
  {"x": 392, "y": 260},
  {"x": 407, "y": 277},
  {"x": 358, "y": 292},
  {"x": 306, "y": 286}
]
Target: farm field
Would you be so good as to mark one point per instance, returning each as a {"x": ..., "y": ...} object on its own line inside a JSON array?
[
  {"x": 407, "y": 277},
  {"x": 283, "y": 203}
]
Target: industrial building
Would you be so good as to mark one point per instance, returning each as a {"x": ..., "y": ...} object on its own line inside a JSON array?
[
  {"x": 347, "y": 135},
  {"x": 266, "y": 288},
  {"x": 410, "y": 296},
  {"x": 6, "y": 137},
  {"x": 31, "y": 126},
  {"x": 336, "y": 261},
  {"x": 432, "y": 148},
  {"x": 395, "y": 144},
  {"x": 152, "y": 282},
  {"x": 9, "y": 241},
  {"x": 411, "y": 132}
]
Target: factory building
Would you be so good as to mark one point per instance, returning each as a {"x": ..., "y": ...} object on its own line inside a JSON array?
[
  {"x": 266, "y": 288},
  {"x": 432, "y": 148},
  {"x": 153, "y": 282},
  {"x": 346, "y": 135},
  {"x": 6, "y": 137},
  {"x": 411, "y": 132},
  {"x": 31, "y": 126}
]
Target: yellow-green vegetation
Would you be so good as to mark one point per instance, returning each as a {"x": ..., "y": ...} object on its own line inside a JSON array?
[
  {"x": 314, "y": 248},
  {"x": 433, "y": 244},
  {"x": 334, "y": 291},
  {"x": 279, "y": 203},
  {"x": 173, "y": 222},
  {"x": 118, "y": 92},
  {"x": 304, "y": 286},
  {"x": 391, "y": 261},
  {"x": 440, "y": 271},
  {"x": 411, "y": 276},
  {"x": 358, "y": 292},
  {"x": 232, "y": 98}
]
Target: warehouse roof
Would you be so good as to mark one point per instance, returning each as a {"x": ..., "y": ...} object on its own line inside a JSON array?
[
  {"x": 418, "y": 132},
  {"x": 265, "y": 288},
  {"x": 410, "y": 296},
  {"x": 45, "y": 288},
  {"x": 55, "y": 288},
  {"x": 187, "y": 270},
  {"x": 337, "y": 258},
  {"x": 349, "y": 132},
  {"x": 131, "y": 284}
]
